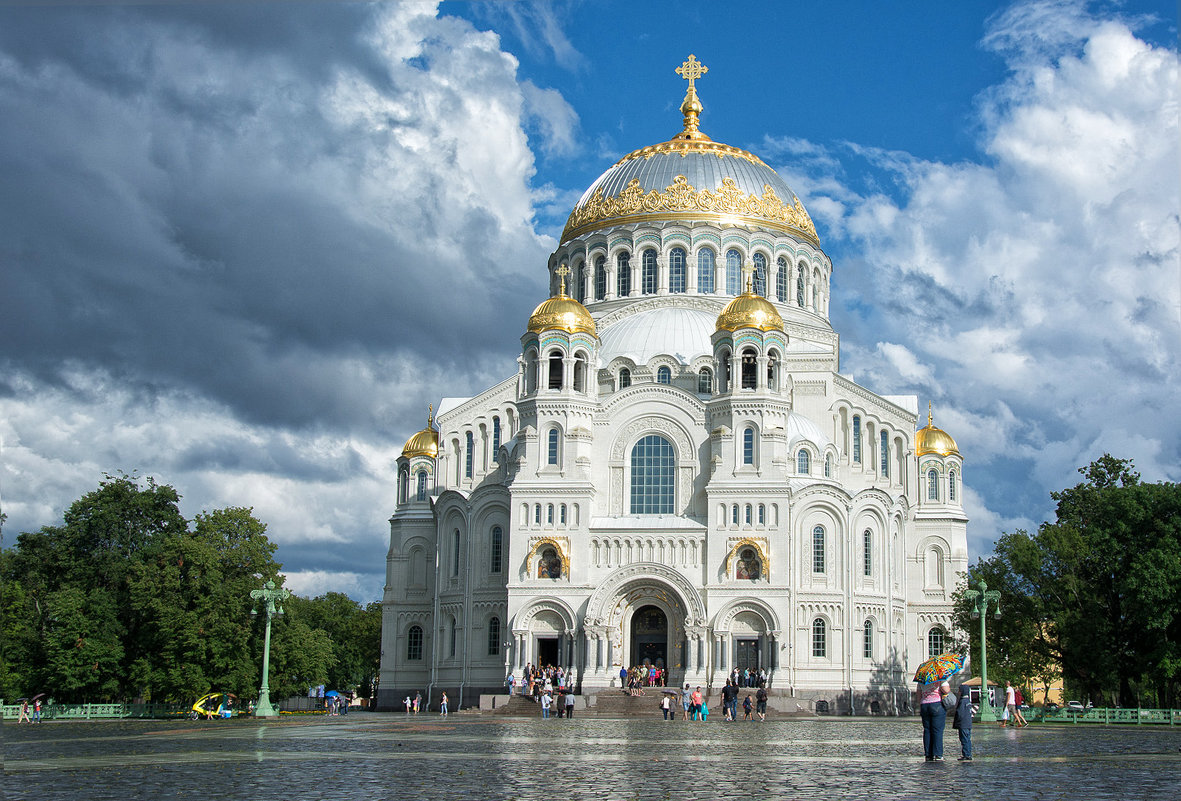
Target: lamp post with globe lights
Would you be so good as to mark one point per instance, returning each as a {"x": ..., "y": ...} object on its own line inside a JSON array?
[
  {"x": 981, "y": 599},
  {"x": 271, "y": 598}
]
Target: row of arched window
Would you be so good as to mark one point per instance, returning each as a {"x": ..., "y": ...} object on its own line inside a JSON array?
[
  {"x": 557, "y": 370},
  {"x": 782, "y": 281},
  {"x": 749, "y": 567},
  {"x": 414, "y": 639},
  {"x": 890, "y": 452},
  {"x": 933, "y": 488},
  {"x": 741, "y": 515},
  {"x": 475, "y": 453},
  {"x": 550, "y": 514}
]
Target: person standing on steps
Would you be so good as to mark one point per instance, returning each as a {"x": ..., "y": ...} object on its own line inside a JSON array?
[
  {"x": 761, "y": 703},
  {"x": 686, "y": 701}
]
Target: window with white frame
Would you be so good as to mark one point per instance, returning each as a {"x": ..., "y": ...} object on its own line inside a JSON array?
[
  {"x": 819, "y": 638},
  {"x": 494, "y": 636},
  {"x": 664, "y": 375},
  {"x": 623, "y": 275},
  {"x": 935, "y": 642},
  {"x": 705, "y": 271},
  {"x": 885, "y": 454},
  {"x": 414, "y": 644},
  {"x": 932, "y": 485},
  {"x": 867, "y": 640},
  {"x": 781, "y": 280},
  {"x": 818, "y": 549},
  {"x": 653, "y": 476},
  {"x": 867, "y": 552},
  {"x": 600, "y": 278},
  {"x": 648, "y": 272},
  {"x": 760, "y": 276},
  {"x": 676, "y": 270},
  {"x": 420, "y": 491},
  {"x": 803, "y": 462},
  {"x": 857, "y": 439},
  {"x": 748, "y": 445},
  {"x": 733, "y": 272},
  {"x": 496, "y": 550},
  {"x": 551, "y": 452}
]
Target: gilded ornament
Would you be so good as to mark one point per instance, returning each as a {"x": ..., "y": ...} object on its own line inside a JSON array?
[{"x": 680, "y": 197}]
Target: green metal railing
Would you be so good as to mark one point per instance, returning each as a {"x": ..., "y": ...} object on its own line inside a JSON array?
[
  {"x": 99, "y": 711},
  {"x": 1105, "y": 716}
]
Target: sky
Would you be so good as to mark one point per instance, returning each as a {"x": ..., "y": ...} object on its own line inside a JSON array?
[{"x": 244, "y": 245}]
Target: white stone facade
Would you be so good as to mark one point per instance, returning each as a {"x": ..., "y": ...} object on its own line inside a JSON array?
[{"x": 666, "y": 490}]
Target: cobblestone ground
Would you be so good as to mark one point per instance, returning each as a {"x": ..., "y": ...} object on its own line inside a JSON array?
[{"x": 469, "y": 756}]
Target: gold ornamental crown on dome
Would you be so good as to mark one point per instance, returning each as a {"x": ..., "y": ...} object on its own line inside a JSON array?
[
  {"x": 562, "y": 312},
  {"x": 749, "y": 310},
  {"x": 934, "y": 440},
  {"x": 745, "y": 197},
  {"x": 425, "y": 442}
]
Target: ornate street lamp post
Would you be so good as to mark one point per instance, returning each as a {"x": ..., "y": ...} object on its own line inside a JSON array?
[
  {"x": 981, "y": 599},
  {"x": 269, "y": 595}
]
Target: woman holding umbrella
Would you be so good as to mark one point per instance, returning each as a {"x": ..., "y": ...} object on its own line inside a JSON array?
[{"x": 931, "y": 677}]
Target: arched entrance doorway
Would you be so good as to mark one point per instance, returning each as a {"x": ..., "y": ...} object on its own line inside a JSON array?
[{"x": 650, "y": 637}]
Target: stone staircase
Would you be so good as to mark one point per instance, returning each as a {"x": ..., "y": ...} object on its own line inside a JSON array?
[{"x": 616, "y": 704}]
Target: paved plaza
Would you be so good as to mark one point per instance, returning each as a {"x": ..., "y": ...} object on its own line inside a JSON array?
[{"x": 389, "y": 756}]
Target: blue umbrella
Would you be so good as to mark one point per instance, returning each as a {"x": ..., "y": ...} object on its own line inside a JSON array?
[{"x": 331, "y": 694}]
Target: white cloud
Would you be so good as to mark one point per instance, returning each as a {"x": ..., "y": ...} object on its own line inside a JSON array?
[{"x": 1039, "y": 291}]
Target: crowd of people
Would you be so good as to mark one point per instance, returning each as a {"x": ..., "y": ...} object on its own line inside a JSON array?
[{"x": 552, "y": 688}]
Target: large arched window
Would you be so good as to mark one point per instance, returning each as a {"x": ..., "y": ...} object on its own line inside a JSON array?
[
  {"x": 705, "y": 271},
  {"x": 748, "y": 446},
  {"x": 951, "y": 485},
  {"x": 803, "y": 462},
  {"x": 469, "y": 456},
  {"x": 496, "y": 550},
  {"x": 420, "y": 490},
  {"x": 935, "y": 642},
  {"x": 819, "y": 638},
  {"x": 828, "y": 465},
  {"x": 676, "y": 270},
  {"x": 867, "y": 552},
  {"x": 733, "y": 272},
  {"x": 818, "y": 549},
  {"x": 800, "y": 286},
  {"x": 705, "y": 378},
  {"x": 414, "y": 644},
  {"x": 494, "y": 636},
  {"x": 648, "y": 272},
  {"x": 623, "y": 275},
  {"x": 760, "y": 277},
  {"x": 781, "y": 280},
  {"x": 884, "y": 447},
  {"x": 867, "y": 640},
  {"x": 625, "y": 378},
  {"x": 664, "y": 375},
  {"x": 857, "y": 439},
  {"x": 653, "y": 478},
  {"x": 932, "y": 485},
  {"x": 551, "y": 451},
  {"x": 600, "y": 278}
]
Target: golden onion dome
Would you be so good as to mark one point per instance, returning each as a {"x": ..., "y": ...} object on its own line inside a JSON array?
[
  {"x": 749, "y": 310},
  {"x": 934, "y": 440},
  {"x": 691, "y": 178},
  {"x": 562, "y": 313},
  {"x": 425, "y": 442}
]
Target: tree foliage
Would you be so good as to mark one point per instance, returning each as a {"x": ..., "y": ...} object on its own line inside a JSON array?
[
  {"x": 127, "y": 599},
  {"x": 1096, "y": 592}
]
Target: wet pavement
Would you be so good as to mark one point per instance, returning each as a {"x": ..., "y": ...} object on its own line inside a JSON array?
[{"x": 380, "y": 756}]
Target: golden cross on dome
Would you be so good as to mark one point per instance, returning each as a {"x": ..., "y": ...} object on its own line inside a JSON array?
[
  {"x": 562, "y": 272},
  {"x": 430, "y": 415},
  {"x": 748, "y": 276},
  {"x": 691, "y": 70}
]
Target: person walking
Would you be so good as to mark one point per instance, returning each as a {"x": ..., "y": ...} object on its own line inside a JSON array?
[
  {"x": 666, "y": 706},
  {"x": 686, "y": 701},
  {"x": 1018, "y": 702},
  {"x": 417, "y": 702},
  {"x": 761, "y": 703},
  {"x": 569, "y": 703},
  {"x": 962, "y": 722},
  {"x": 746, "y": 705},
  {"x": 1010, "y": 715},
  {"x": 934, "y": 717},
  {"x": 545, "y": 702},
  {"x": 36, "y": 710},
  {"x": 408, "y": 703},
  {"x": 24, "y": 714},
  {"x": 443, "y": 705},
  {"x": 695, "y": 709}
]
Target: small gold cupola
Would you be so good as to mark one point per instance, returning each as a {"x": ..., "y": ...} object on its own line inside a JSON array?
[
  {"x": 425, "y": 442},
  {"x": 562, "y": 312},
  {"x": 934, "y": 440},
  {"x": 749, "y": 310}
]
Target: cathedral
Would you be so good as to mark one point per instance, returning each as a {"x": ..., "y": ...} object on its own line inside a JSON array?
[{"x": 678, "y": 473}]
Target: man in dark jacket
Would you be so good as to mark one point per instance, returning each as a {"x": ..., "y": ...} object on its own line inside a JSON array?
[{"x": 963, "y": 722}]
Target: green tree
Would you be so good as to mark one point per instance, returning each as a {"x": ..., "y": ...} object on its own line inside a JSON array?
[
  {"x": 353, "y": 630},
  {"x": 196, "y": 592},
  {"x": 1097, "y": 591}
]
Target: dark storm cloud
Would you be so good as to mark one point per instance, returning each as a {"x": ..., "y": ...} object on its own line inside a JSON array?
[{"x": 177, "y": 208}]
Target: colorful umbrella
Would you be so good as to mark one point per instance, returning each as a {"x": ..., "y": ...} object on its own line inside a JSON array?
[{"x": 939, "y": 668}]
